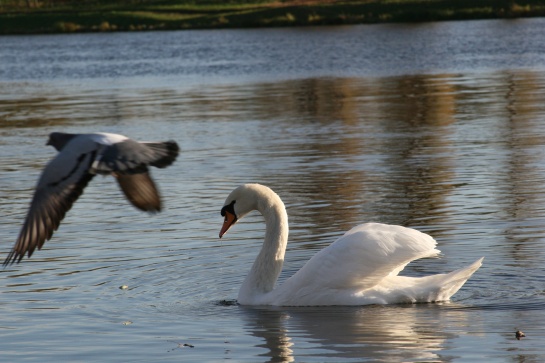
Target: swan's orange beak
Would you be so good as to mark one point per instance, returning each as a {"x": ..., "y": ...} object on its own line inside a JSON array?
[{"x": 230, "y": 219}]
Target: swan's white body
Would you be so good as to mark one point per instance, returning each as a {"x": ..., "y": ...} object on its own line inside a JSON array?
[{"x": 359, "y": 268}]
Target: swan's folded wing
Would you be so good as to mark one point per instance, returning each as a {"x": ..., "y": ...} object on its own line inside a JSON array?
[
  {"x": 60, "y": 185},
  {"x": 362, "y": 257}
]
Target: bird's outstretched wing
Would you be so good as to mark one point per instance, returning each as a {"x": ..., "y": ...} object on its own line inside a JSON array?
[
  {"x": 141, "y": 191},
  {"x": 128, "y": 161},
  {"x": 133, "y": 157},
  {"x": 60, "y": 185}
]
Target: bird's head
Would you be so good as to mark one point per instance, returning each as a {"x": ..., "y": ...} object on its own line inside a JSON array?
[
  {"x": 59, "y": 139},
  {"x": 242, "y": 201}
]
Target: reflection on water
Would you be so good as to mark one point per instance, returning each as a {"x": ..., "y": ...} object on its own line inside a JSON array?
[
  {"x": 458, "y": 155},
  {"x": 385, "y": 334}
]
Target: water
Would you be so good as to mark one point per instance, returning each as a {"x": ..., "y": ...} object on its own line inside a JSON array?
[{"x": 436, "y": 126}]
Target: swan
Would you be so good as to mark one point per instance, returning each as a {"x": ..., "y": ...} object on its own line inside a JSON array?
[{"x": 359, "y": 268}]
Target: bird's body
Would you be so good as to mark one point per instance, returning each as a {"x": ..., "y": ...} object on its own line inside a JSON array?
[
  {"x": 80, "y": 158},
  {"x": 359, "y": 268}
]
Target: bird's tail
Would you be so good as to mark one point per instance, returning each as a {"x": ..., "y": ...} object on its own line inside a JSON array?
[{"x": 164, "y": 153}]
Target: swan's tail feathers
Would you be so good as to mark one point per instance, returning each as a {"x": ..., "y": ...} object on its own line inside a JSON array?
[{"x": 452, "y": 282}]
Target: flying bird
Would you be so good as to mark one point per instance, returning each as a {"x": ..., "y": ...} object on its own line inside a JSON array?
[{"x": 80, "y": 158}]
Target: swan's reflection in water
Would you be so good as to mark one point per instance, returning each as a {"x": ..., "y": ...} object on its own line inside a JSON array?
[{"x": 370, "y": 333}]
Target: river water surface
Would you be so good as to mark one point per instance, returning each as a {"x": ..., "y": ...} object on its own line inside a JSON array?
[{"x": 437, "y": 126}]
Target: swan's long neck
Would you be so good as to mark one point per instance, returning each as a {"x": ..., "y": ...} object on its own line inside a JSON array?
[{"x": 268, "y": 264}]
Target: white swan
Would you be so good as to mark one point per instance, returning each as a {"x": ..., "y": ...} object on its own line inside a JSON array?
[{"x": 359, "y": 268}]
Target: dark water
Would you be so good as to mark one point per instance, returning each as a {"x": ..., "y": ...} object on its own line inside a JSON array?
[{"x": 436, "y": 126}]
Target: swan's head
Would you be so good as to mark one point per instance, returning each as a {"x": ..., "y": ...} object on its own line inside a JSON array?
[{"x": 242, "y": 201}]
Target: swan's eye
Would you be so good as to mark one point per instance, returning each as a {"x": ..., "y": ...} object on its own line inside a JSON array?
[{"x": 228, "y": 208}]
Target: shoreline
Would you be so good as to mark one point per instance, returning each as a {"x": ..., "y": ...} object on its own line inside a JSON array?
[{"x": 74, "y": 17}]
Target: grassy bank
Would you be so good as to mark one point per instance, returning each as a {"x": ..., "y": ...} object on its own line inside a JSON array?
[{"x": 54, "y": 16}]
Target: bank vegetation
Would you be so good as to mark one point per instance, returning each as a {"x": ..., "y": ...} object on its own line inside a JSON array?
[{"x": 54, "y": 16}]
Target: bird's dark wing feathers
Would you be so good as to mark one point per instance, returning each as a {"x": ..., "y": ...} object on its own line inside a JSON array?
[
  {"x": 164, "y": 153},
  {"x": 52, "y": 199},
  {"x": 128, "y": 162},
  {"x": 141, "y": 191},
  {"x": 133, "y": 157}
]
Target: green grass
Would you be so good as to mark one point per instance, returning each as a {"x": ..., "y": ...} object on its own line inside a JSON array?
[{"x": 51, "y": 16}]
